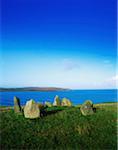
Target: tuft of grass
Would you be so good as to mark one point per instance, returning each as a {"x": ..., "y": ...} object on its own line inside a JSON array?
[{"x": 60, "y": 128}]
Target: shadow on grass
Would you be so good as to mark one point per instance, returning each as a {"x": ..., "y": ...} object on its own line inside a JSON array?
[
  {"x": 94, "y": 109},
  {"x": 46, "y": 112}
]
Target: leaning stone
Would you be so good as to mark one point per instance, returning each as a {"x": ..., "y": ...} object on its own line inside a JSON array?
[
  {"x": 48, "y": 104},
  {"x": 57, "y": 101},
  {"x": 87, "y": 108},
  {"x": 31, "y": 110},
  {"x": 66, "y": 102},
  {"x": 17, "y": 107}
]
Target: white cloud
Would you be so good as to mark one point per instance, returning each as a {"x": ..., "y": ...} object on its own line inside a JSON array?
[
  {"x": 112, "y": 81},
  {"x": 115, "y": 78}
]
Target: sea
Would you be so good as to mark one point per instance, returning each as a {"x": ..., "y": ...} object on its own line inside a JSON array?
[{"x": 76, "y": 96}]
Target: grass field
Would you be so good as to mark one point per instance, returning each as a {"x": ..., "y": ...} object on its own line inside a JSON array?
[{"x": 61, "y": 128}]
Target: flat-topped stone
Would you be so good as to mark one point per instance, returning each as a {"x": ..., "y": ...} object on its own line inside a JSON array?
[{"x": 48, "y": 104}]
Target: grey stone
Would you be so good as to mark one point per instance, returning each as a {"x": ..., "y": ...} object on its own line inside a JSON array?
[
  {"x": 66, "y": 102},
  {"x": 40, "y": 106},
  {"x": 31, "y": 110},
  {"x": 48, "y": 104},
  {"x": 17, "y": 107},
  {"x": 87, "y": 108},
  {"x": 57, "y": 101}
]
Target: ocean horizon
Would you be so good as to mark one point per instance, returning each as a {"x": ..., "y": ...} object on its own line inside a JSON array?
[{"x": 77, "y": 96}]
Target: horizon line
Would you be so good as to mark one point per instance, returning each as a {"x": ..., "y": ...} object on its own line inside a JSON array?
[{"x": 62, "y": 88}]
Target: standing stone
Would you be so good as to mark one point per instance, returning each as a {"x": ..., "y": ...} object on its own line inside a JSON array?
[
  {"x": 17, "y": 107},
  {"x": 48, "y": 104},
  {"x": 66, "y": 102},
  {"x": 87, "y": 108},
  {"x": 40, "y": 106},
  {"x": 31, "y": 110},
  {"x": 57, "y": 101}
]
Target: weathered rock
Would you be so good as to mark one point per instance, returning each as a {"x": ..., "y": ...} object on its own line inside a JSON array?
[
  {"x": 57, "y": 101},
  {"x": 17, "y": 107},
  {"x": 87, "y": 108},
  {"x": 41, "y": 106},
  {"x": 31, "y": 110},
  {"x": 48, "y": 104},
  {"x": 66, "y": 102}
]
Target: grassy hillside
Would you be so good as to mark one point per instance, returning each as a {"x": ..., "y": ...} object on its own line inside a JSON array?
[{"x": 61, "y": 128}]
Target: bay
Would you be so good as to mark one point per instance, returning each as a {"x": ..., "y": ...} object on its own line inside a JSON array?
[{"x": 76, "y": 96}]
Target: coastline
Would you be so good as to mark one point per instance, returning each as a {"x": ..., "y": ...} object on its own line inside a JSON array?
[{"x": 26, "y": 89}]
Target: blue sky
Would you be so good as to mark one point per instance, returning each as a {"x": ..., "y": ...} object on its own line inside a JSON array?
[{"x": 62, "y": 43}]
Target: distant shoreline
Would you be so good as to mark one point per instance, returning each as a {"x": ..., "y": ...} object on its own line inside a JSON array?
[
  {"x": 43, "y": 89},
  {"x": 37, "y": 89}
]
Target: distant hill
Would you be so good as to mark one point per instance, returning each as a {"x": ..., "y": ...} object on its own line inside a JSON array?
[{"x": 33, "y": 89}]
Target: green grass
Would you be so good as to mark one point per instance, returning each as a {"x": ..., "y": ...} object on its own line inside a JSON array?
[
  {"x": 61, "y": 128},
  {"x": 3, "y": 106}
]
